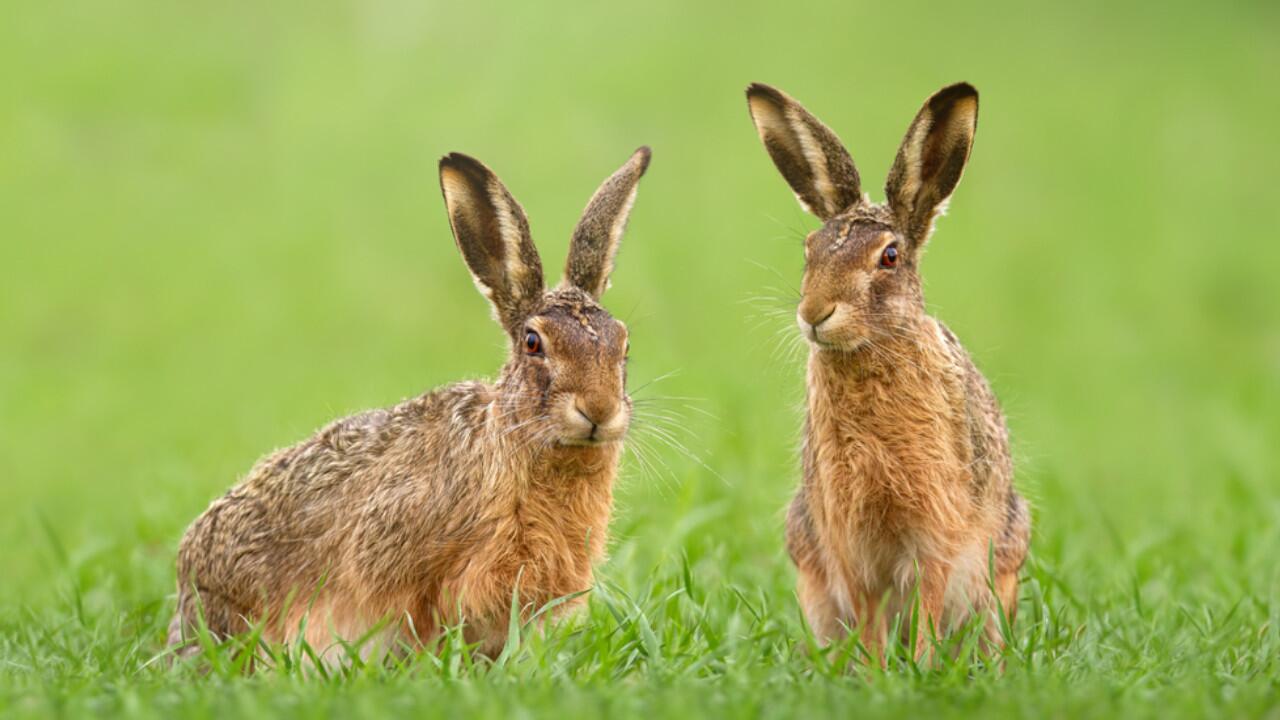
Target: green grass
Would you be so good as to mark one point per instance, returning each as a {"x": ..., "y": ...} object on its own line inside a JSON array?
[{"x": 220, "y": 227}]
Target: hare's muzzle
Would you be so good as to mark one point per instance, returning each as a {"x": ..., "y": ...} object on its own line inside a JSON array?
[
  {"x": 811, "y": 316},
  {"x": 594, "y": 420},
  {"x": 832, "y": 326}
]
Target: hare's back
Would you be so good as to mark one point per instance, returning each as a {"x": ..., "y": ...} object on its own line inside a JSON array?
[{"x": 295, "y": 504}]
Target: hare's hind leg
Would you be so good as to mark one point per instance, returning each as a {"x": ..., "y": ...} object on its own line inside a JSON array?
[
  {"x": 1006, "y": 592},
  {"x": 812, "y": 588},
  {"x": 1010, "y": 554},
  {"x": 177, "y": 641},
  {"x": 219, "y": 614},
  {"x": 819, "y": 608}
]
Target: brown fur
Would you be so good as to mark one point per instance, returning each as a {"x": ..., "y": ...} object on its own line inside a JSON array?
[
  {"x": 908, "y": 481},
  {"x": 439, "y": 510}
]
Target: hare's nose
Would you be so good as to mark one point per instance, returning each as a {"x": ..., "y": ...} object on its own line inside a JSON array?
[
  {"x": 815, "y": 314},
  {"x": 596, "y": 412}
]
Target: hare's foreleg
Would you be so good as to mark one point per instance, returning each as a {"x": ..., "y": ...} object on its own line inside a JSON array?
[
  {"x": 933, "y": 580},
  {"x": 873, "y": 623}
]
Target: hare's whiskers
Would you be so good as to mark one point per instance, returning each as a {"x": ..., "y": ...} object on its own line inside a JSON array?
[{"x": 660, "y": 378}]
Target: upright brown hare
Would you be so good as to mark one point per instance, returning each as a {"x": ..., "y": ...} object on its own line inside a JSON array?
[
  {"x": 908, "y": 483},
  {"x": 440, "y": 510}
]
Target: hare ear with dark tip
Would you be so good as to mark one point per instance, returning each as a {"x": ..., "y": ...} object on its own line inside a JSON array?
[
  {"x": 493, "y": 234},
  {"x": 806, "y": 152},
  {"x": 596, "y": 238},
  {"x": 932, "y": 158}
]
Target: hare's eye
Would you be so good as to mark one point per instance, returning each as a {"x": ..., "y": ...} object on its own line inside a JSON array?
[
  {"x": 532, "y": 343},
  {"x": 889, "y": 258}
]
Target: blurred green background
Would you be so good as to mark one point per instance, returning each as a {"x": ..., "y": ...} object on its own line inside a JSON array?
[{"x": 220, "y": 227}]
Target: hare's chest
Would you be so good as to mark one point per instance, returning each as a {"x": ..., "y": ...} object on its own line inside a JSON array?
[
  {"x": 532, "y": 555},
  {"x": 888, "y": 493},
  {"x": 878, "y": 465}
]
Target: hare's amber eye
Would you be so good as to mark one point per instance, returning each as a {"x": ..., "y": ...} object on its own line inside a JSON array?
[
  {"x": 889, "y": 258},
  {"x": 532, "y": 343}
]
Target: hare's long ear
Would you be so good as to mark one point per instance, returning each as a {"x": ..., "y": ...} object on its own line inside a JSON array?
[
  {"x": 493, "y": 235},
  {"x": 807, "y": 153},
  {"x": 931, "y": 159},
  {"x": 596, "y": 238}
]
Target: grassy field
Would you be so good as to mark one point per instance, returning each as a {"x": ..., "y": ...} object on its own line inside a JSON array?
[{"x": 220, "y": 227}]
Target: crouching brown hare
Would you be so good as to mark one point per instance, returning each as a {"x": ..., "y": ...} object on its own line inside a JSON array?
[
  {"x": 907, "y": 487},
  {"x": 396, "y": 523}
]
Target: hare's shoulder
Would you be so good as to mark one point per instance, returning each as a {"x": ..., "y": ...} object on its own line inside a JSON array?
[
  {"x": 988, "y": 431},
  {"x": 976, "y": 386}
]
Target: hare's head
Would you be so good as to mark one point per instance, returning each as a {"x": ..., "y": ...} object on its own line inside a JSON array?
[
  {"x": 861, "y": 276},
  {"x": 565, "y": 380}
]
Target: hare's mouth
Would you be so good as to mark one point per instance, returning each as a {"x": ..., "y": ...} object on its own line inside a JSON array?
[
  {"x": 596, "y": 435},
  {"x": 843, "y": 345},
  {"x": 588, "y": 442}
]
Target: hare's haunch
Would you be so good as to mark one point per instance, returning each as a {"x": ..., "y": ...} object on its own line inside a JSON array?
[
  {"x": 443, "y": 508},
  {"x": 908, "y": 482}
]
